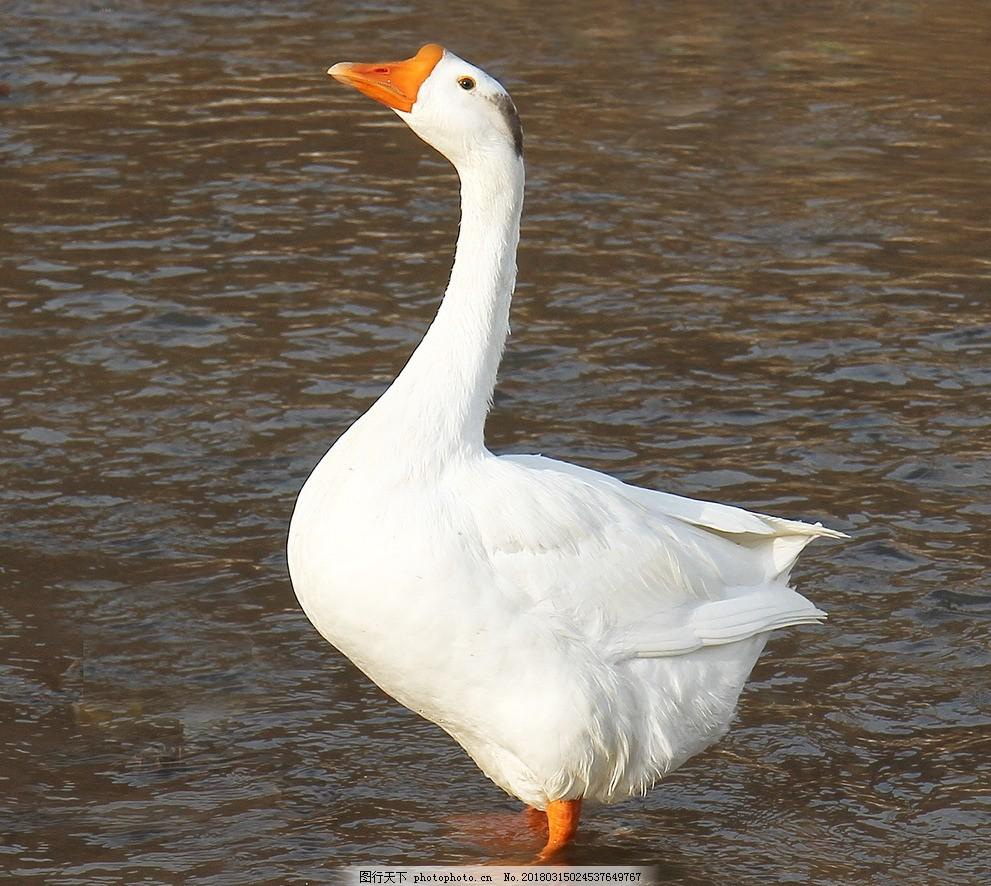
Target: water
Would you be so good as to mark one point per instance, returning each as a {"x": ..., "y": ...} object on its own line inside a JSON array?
[{"x": 754, "y": 268}]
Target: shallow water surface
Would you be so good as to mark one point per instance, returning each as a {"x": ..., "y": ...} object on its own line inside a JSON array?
[{"x": 754, "y": 268}]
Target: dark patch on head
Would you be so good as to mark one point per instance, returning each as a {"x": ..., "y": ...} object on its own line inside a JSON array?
[{"x": 505, "y": 105}]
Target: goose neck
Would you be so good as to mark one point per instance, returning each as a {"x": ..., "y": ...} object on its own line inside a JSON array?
[{"x": 440, "y": 400}]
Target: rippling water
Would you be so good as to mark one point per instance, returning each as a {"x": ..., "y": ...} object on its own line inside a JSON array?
[{"x": 755, "y": 267}]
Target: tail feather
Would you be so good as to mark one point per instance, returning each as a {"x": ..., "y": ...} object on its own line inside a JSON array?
[{"x": 737, "y": 617}]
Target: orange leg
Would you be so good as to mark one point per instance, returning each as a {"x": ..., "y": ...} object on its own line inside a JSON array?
[{"x": 562, "y": 823}]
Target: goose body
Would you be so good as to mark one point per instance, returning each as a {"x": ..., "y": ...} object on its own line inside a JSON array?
[{"x": 578, "y": 636}]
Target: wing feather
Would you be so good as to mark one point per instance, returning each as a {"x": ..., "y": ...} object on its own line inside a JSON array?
[{"x": 641, "y": 573}]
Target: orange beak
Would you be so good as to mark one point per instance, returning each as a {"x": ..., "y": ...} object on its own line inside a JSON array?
[{"x": 395, "y": 84}]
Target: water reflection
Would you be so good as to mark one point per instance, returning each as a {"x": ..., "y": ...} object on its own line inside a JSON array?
[{"x": 754, "y": 268}]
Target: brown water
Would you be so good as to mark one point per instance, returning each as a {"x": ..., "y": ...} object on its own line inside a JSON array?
[{"x": 756, "y": 267}]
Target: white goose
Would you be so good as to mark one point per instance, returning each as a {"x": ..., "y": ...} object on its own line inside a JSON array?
[{"x": 579, "y": 637}]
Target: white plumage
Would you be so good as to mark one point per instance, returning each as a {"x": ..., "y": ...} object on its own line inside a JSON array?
[{"x": 578, "y": 636}]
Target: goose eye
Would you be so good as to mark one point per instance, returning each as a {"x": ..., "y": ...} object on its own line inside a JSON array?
[{"x": 466, "y": 83}]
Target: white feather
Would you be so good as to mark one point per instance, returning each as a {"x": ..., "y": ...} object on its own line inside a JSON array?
[{"x": 580, "y": 637}]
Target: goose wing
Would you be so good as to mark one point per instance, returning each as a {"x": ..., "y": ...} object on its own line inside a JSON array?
[{"x": 644, "y": 573}]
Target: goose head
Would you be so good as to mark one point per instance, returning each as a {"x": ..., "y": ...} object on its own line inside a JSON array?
[{"x": 451, "y": 104}]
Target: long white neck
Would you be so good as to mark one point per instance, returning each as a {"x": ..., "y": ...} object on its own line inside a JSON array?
[{"x": 436, "y": 408}]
